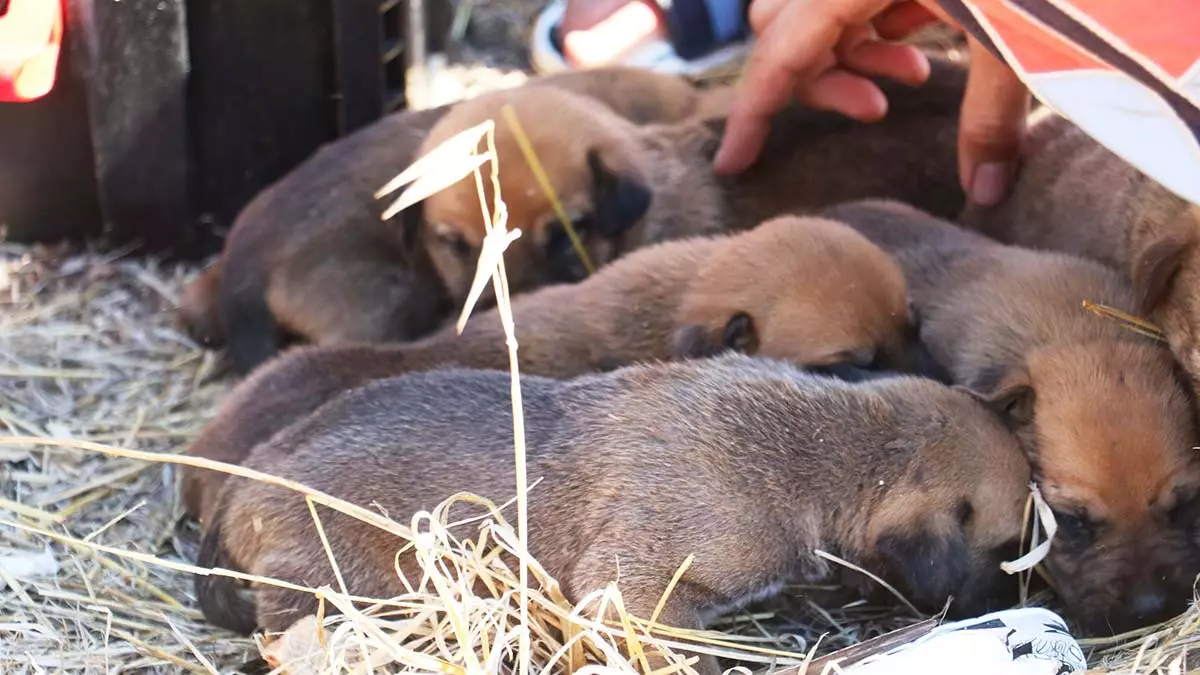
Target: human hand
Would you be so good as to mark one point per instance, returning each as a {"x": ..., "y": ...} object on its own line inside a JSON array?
[{"x": 822, "y": 53}]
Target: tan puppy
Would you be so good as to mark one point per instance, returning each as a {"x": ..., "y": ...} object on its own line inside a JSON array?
[
  {"x": 310, "y": 257},
  {"x": 624, "y": 187},
  {"x": 750, "y": 464},
  {"x": 1073, "y": 195},
  {"x": 807, "y": 290},
  {"x": 1103, "y": 413},
  {"x": 619, "y": 190}
]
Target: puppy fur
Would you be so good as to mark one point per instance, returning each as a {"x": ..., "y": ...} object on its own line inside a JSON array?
[
  {"x": 813, "y": 159},
  {"x": 619, "y": 191},
  {"x": 764, "y": 463},
  {"x": 1103, "y": 413},
  {"x": 803, "y": 289},
  {"x": 1074, "y": 195},
  {"x": 198, "y": 315},
  {"x": 310, "y": 256},
  {"x": 625, "y": 187}
]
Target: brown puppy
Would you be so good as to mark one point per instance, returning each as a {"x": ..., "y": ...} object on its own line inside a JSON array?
[
  {"x": 619, "y": 191},
  {"x": 625, "y": 187},
  {"x": 1074, "y": 195},
  {"x": 1103, "y": 413},
  {"x": 750, "y": 464},
  {"x": 813, "y": 159},
  {"x": 803, "y": 289},
  {"x": 310, "y": 256}
]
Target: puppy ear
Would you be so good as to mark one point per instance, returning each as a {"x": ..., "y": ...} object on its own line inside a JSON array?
[
  {"x": 740, "y": 334},
  {"x": 1155, "y": 268},
  {"x": 933, "y": 565},
  {"x": 1007, "y": 391},
  {"x": 619, "y": 201},
  {"x": 693, "y": 341}
]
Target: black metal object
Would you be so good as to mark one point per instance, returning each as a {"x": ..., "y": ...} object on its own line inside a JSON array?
[
  {"x": 260, "y": 97},
  {"x": 370, "y": 52},
  {"x": 136, "y": 68},
  {"x": 170, "y": 115}
]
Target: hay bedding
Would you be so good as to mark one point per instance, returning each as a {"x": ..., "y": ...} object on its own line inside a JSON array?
[{"x": 89, "y": 352}]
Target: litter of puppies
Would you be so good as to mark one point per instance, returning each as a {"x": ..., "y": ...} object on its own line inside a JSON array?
[{"x": 672, "y": 482}]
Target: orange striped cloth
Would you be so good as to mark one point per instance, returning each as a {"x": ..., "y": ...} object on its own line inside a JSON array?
[{"x": 1126, "y": 71}]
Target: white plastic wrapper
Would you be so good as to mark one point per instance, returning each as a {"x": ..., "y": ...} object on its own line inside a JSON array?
[{"x": 1029, "y": 641}]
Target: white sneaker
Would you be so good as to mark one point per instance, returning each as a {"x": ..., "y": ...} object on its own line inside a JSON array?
[{"x": 1027, "y": 641}]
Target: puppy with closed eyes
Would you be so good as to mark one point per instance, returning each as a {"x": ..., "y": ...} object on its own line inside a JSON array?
[
  {"x": 810, "y": 291},
  {"x": 749, "y": 464},
  {"x": 1074, "y": 195},
  {"x": 624, "y": 187},
  {"x": 309, "y": 257},
  {"x": 1104, "y": 414}
]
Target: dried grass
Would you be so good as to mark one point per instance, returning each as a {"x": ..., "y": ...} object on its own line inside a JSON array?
[{"x": 88, "y": 353}]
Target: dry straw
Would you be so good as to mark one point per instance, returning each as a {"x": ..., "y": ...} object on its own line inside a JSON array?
[{"x": 99, "y": 392}]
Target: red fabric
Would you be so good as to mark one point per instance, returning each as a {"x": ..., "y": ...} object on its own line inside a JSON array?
[
  {"x": 1126, "y": 71},
  {"x": 30, "y": 43}
]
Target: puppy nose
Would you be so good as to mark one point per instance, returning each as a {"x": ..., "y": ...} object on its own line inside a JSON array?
[{"x": 1148, "y": 605}]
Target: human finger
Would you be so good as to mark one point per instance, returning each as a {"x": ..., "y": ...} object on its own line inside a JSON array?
[{"x": 991, "y": 127}]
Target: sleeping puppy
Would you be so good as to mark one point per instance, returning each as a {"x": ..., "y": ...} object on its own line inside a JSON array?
[
  {"x": 1104, "y": 414},
  {"x": 310, "y": 258},
  {"x": 810, "y": 291},
  {"x": 619, "y": 190},
  {"x": 624, "y": 187},
  {"x": 1074, "y": 195},
  {"x": 750, "y": 464}
]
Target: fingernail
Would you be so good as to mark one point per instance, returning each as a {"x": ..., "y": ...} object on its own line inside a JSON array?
[
  {"x": 724, "y": 163},
  {"x": 989, "y": 185}
]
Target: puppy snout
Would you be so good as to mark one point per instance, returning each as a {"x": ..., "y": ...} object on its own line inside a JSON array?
[{"x": 1148, "y": 605}]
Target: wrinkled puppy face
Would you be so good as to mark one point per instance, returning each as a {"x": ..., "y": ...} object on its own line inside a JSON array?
[
  {"x": 1110, "y": 431},
  {"x": 943, "y": 528},
  {"x": 807, "y": 290},
  {"x": 589, "y": 158}
]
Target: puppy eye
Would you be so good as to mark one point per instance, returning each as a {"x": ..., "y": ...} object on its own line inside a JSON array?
[
  {"x": 558, "y": 241},
  {"x": 457, "y": 243},
  {"x": 1073, "y": 527}
]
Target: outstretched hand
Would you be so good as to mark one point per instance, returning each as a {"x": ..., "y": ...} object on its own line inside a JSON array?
[{"x": 823, "y": 52}]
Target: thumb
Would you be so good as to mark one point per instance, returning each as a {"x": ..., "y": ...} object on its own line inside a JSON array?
[{"x": 991, "y": 127}]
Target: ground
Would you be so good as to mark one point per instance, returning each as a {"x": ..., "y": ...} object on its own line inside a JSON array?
[{"x": 92, "y": 556}]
